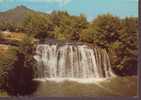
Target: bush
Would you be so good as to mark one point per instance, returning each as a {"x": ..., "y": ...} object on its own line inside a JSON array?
[
  {"x": 21, "y": 72},
  {"x": 7, "y": 57},
  {"x": 17, "y": 68}
]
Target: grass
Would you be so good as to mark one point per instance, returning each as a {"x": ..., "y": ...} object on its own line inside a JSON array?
[
  {"x": 13, "y": 36},
  {"x": 119, "y": 86},
  {"x": 3, "y": 94},
  {"x": 5, "y": 49},
  {"x": 7, "y": 53},
  {"x": 7, "y": 56}
]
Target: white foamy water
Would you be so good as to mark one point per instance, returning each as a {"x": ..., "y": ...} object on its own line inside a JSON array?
[
  {"x": 72, "y": 62},
  {"x": 79, "y": 80}
]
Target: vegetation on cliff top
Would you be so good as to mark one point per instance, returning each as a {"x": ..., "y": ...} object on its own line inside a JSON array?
[{"x": 118, "y": 36}]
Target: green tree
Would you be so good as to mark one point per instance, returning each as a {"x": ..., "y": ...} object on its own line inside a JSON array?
[
  {"x": 66, "y": 27},
  {"x": 6, "y": 60},
  {"x": 21, "y": 72},
  {"x": 127, "y": 47},
  {"x": 37, "y": 25},
  {"x": 88, "y": 35},
  {"x": 107, "y": 29},
  {"x": 118, "y": 37}
]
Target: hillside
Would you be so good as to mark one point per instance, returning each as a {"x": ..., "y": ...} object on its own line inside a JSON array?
[
  {"x": 22, "y": 30},
  {"x": 16, "y": 15}
]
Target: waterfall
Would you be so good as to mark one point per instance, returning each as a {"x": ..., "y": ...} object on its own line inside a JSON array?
[{"x": 72, "y": 61}]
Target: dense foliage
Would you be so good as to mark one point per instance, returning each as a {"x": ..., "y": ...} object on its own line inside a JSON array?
[
  {"x": 21, "y": 73},
  {"x": 7, "y": 57},
  {"x": 118, "y": 36},
  {"x": 59, "y": 25},
  {"x": 18, "y": 71},
  {"x": 126, "y": 47}
]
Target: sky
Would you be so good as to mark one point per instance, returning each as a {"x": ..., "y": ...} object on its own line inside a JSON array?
[{"x": 89, "y": 8}]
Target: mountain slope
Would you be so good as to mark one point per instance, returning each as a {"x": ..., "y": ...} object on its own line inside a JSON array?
[{"x": 15, "y": 15}]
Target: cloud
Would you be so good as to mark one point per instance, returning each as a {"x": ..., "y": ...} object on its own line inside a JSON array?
[
  {"x": 50, "y": 11},
  {"x": 52, "y": 1},
  {"x": 43, "y": 1},
  {"x": 134, "y": 0},
  {"x": 1, "y": 1}
]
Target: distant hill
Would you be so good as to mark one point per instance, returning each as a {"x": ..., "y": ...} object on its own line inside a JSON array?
[{"x": 16, "y": 15}]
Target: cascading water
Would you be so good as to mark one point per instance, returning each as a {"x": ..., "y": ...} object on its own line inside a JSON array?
[{"x": 72, "y": 61}]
